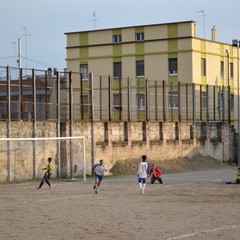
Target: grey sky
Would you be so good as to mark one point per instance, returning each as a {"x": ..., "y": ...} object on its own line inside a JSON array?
[{"x": 46, "y": 21}]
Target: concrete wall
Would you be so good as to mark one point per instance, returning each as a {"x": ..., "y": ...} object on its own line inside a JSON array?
[{"x": 113, "y": 141}]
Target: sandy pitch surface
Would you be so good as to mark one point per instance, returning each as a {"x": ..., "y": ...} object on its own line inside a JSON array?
[{"x": 194, "y": 205}]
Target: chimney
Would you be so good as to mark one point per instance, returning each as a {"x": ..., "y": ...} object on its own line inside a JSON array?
[{"x": 213, "y": 33}]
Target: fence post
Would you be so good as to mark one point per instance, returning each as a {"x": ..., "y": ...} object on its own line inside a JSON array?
[
  {"x": 207, "y": 96},
  {"x": 9, "y": 124},
  {"x": 120, "y": 99},
  {"x": 214, "y": 103},
  {"x": 20, "y": 115},
  {"x": 200, "y": 102},
  {"x": 147, "y": 99},
  {"x": 91, "y": 93},
  {"x": 171, "y": 87},
  {"x": 179, "y": 103},
  {"x": 100, "y": 96},
  {"x": 58, "y": 124},
  {"x": 164, "y": 102},
  {"x": 70, "y": 120},
  {"x": 186, "y": 102},
  {"x": 81, "y": 97},
  {"x": 110, "y": 98},
  {"x": 34, "y": 121},
  {"x": 156, "y": 101},
  {"x": 129, "y": 98},
  {"x": 194, "y": 103}
]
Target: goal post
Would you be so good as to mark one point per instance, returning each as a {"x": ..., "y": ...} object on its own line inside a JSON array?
[{"x": 24, "y": 158}]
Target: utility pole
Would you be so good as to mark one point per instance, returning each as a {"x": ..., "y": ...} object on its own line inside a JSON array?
[{"x": 19, "y": 61}]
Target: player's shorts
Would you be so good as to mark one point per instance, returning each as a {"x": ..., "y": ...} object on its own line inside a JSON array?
[
  {"x": 99, "y": 177},
  {"x": 142, "y": 180}
]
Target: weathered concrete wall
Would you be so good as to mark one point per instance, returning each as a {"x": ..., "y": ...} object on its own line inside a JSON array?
[{"x": 112, "y": 142}]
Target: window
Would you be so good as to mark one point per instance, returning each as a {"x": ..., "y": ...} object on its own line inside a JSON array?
[
  {"x": 117, "y": 102},
  {"x": 117, "y": 38},
  {"x": 173, "y": 100},
  {"x": 232, "y": 102},
  {"x": 172, "y": 66},
  {"x": 139, "y": 36},
  {"x": 204, "y": 100},
  {"x": 231, "y": 70},
  {"x": 203, "y": 66},
  {"x": 85, "y": 103},
  {"x": 222, "y": 69},
  {"x": 140, "y": 101},
  {"x": 139, "y": 68},
  {"x": 117, "y": 69},
  {"x": 84, "y": 71}
]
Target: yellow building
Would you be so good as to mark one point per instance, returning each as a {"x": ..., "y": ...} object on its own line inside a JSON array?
[{"x": 170, "y": 52}]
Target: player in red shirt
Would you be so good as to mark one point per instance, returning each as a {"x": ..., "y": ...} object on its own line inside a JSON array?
[{"x": 155, "y": 174}]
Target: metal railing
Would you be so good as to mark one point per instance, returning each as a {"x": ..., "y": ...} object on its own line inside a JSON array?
[{"x": 40, "y": 95}]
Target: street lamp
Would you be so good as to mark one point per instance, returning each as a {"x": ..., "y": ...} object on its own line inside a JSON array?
[{"x": 236, "y": 43}]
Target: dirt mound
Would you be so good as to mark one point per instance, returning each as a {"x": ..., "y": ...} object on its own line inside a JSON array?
[{"x": 197, "y": 162}]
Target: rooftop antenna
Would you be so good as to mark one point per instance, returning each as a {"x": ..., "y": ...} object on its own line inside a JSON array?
[
  {"x": 94, "y": 20},
  {"x": 15, "y": 49},
  {"x": 25, "y": 41},
  {"x": 203, "y": 17}
]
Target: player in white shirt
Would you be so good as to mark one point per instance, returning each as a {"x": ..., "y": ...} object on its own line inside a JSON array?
[
  {"x": 99, "y": 170},
  {"x": 143, "y": 173}
]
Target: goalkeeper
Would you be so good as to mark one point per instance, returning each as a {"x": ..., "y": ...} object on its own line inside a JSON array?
[{"x": 47, "y": 174}]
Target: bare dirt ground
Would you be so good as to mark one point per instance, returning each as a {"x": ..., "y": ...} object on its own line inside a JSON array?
[{"x": 192, "y": 205}]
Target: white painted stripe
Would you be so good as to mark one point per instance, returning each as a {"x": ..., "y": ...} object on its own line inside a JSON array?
[{"x": 205, "y": 231}]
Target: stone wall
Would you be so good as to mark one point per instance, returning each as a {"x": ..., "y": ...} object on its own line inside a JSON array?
[{"x": 113, "y": 141}]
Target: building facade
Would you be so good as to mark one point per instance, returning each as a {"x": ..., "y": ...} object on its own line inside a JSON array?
[{"x": 171, "y": 52}]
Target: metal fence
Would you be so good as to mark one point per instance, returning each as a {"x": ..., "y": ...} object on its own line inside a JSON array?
[{"x": 40, "y": 95}]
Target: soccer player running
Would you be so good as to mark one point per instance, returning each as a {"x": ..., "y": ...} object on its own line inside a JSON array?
[
  {"x": 47, "y": 174},
  {"x": 99, "y": 170},
  {"x": 143, "y": 173}
]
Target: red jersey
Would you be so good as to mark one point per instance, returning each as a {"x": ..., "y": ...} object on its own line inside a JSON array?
[{"x": 155, "y": 172}]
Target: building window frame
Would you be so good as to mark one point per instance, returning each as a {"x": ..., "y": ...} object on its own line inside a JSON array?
[
  {"x": 222, "y": 69},
  {"x": 117, "y": 38},
  {"x": 141, "y": 101},
  {"x": 117, "y": 69},
  {"x": 116, "y": 102},
  {"x": 84, "y": 71},
  {"x": 140, "y": 68},
  {"x": 203, "y": 67},
  {"x": 173, "y": 66},
  {"x": 231, "y": 71},
  {"x": 173, "y": 100},
  {"x": 139, "y": 36}
]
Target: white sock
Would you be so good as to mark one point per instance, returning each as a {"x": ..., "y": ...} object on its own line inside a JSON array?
[
  {"x": 140, "y": 185},
  {"x": 143, "y": 188}
]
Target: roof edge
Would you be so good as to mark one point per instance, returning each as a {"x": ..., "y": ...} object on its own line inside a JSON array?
[{"x": 148, "y": 25}]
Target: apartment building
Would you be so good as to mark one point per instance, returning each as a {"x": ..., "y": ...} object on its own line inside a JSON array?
[{"x": 170, "y": 52}]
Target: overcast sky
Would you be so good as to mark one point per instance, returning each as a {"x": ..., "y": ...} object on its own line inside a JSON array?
[{"x": 41, "y": 24}]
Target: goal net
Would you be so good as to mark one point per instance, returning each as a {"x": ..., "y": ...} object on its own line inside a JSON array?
[{"x": 24, "y": 158}]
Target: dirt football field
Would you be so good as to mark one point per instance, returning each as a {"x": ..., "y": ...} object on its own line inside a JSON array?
[{"x": 194, "y": 205}]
